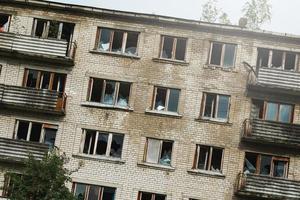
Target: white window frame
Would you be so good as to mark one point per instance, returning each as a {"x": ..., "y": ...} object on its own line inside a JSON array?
[
  {"x": 222, "y": 54},
  {"x": 7, "y": 26},
  {"x": 174, "y": 47},
  {"x": 167, "y": 99},
  {"x": 145, "y": 159},
  {"x": 215, "y": 105},
  {"x": 45, "y": 33}
]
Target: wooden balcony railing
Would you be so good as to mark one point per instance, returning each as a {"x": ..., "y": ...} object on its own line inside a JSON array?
[
  {"x": 39, "y": 100},
  {"x": 18, "y": 150},
  {"x": 38, "y": 48},
  {"x": 271, "y": 132},
  {"x": 259, "y": 186}
]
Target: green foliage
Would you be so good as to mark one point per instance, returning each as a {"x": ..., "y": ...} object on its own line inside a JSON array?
[
  {"x": 43, "y": 180},
  {"x": 211, "y": 13},
  {"x": 257, "y": 12},
  {"x": 224, "y": 19}
]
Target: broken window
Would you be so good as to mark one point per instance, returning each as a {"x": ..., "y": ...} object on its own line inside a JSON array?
[
  {"x": 277, "y": 59},
  {"x": 44, "y": 80},
  {"x": 118, "y": 41},
  {"x": 222, "y": 54},
  {"x": 272, "y": 111},
  {"x": 93, "y": 192},
  {"x": 36, "y": 132},
  {"x": 4, "y": 22},
  {"x": 109, "y": 92},
  {"x": 209, "y": 158},
  {"x": 166, "y": 99},
  {"x": 173, "y": 48},
  {"x": 215, "y": 106},
  {"x": 266, "y": 165},
  {"x": 158, "y": 151},
  {"x": 102, "y": 143},
  {"x": 53, "y": 29},
  {"x": 150, "y": 196}
]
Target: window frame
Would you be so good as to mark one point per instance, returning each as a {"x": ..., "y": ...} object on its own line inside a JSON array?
[
  {"x": 160, "y": 151},
  {"x": 214, "y": 107},
  {"x": 222, "y": 54},
  {"x": 40, "y": 79},
  {"x": 42, "y": 133},
  {"x": 209, "y": 159},
  {"x": 284, "y": 53},
  {"x": 6, "y": 30},
  {"x": 109, "y": 143},
  {"x": 115, "y": 95},
  {"x": 153, "y": 195},
  {"x": 167, "y": 98},
  {"x": 174, "y": 47},
  {"x": 124, "y": 40},
  {"x": 273, "y": 158},
  {"x": 87, "y": 189}
]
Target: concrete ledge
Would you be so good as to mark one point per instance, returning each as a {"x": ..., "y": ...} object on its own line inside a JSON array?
[
  {"x": 99, "y": 158},
  {"x": 109, "y": 53},
  {"x": 105, "y": 106},
  {"x": 156, "y": 166},
  {"x": 163, "y": 113},
  {"x": 206, "y": 173},
  {"x": 170, "y": 61}
]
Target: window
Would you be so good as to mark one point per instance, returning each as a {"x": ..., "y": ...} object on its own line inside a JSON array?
[
  {"x": 93, "y": 192},
  {"x": 118, "y": 41},
  {"x": 4, "y": 22},
  {"x": 266, "y": 165},
  {"x": 277, "y": 59},
  {"x": 109, "y": 92},
  {"x": 44, "y": 80},
  {"x": 36, "y": 132},
  {"x": 53, "y": 29},
  {"x": 208, "y": 158},
  {"x": 173, "y": 48},
  {"x": 166, "y": 99},
  {"x": 150, "y": 196},
  {"x": 215, "y": 106},
  {"x": 9, "y": 185},
  {"x": 272, "y": 111},
  {"x": 158, "y": 151},
  {"x": 102, "y": 143},
  {"x": 222, "y": 54}
]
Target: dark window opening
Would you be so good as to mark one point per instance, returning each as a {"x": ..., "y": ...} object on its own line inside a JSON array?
[
  {"x": 4, "y": 22},
  {"x": 89, "y": 142},
  {"x": 160, "y": 101},
  {"x": 222, "y": 54},
  {"x": 150, "y": 196},
  {"x": 35, "y": 133},
  {"x": 116, "y": 145},
  {"x": 96, "y": 90},
  {"x": 131, "y": 44},
  {"x": 50, "y": 135},
  {"x": 109, "y": 92},
  {"x": 215, "y": 106},
  {"x": 105, "y": 37},
  {"x": 216, "y": 54},
  {"x": 32, "y": 78},
  {"x": 40, "y": 28},
  {"x": 290, "y": 61},
  {"x": 53, "y": 29},
  {"x": 117, "y": 41},
  {"x": 173, "y": 48},
  {"x": 167, "y": 50},
  {"x": 203, "y": 157},
  {"x": 22, "y": 130},
  {"x": 166, "y": 153},
  {"x": 209, "y": 158},
  {"x": 93, "y": 192},
  {"x": 180, "y": 49},
  {"x": 166, "y": 99},
  {"x": 45, "y": 80},
  {"x": 159, "y": 151},
  {"x": 263, "y": 57},
  {"x": 59, "y": 82},
  {"x": 250, "y": 163},
  {"x": 257, "y": 109},
  {"x": 102, "y": 144},
  {"x": 277, "y": 59},
  {"x": 123, "y": 96}
]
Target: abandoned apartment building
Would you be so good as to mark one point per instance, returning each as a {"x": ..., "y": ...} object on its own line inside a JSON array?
[{"x": 151, "y": 107}]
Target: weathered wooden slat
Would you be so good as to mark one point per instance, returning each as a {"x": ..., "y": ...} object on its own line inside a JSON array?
[
  {"x": 268, "y": 187},
  {"x": 18, "y": 150},
  {"x": 29, "y": 44}
]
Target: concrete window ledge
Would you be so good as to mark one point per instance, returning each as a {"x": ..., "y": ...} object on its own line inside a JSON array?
[
  {"x": 105, "y": 106},
  {"x": 217, "y": 67},
  {"x": 163, "y": 113},
  {"x": 156, "y": 166},
  {"x": 99, "y": 158},
  {"x": 206, "y": 173},
  {"x": 213, "y": 121},
  {"x": 170, "y": 61},
  {"x": 109, "y": 53}
]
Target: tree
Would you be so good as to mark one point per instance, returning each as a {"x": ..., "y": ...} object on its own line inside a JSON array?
[
  {"x": 210, "y": 11},
  {"x": 224, "y": 19},
  {"x": 43, "y": 180},
  {"x": 257, "y": 12}
]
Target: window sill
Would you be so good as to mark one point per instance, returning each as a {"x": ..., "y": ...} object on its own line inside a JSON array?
[
  {"x": 101, "y": 105},
  {"x": 156, "y": 166},
  {"x": 163, "y": 113},
  {"x": 213, "y": 121},
  {"x": 115, "y": 54},
  {"x": 225, "y": 69},
  {"x": 170, "y": 61},
  {"x": 206, "y": 173},
  {"x": 100, "y": 158}
]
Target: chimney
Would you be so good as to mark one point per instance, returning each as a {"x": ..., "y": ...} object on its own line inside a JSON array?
[{"x": 243, "y": 22}]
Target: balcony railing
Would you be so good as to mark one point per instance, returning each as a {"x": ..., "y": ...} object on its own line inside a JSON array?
[
  {"x": 18, "y": 150},
  {"x": 271, "y": 132},
  {"x": 259, "y": 186},
  {"x": 51, "y": 50},
  {"x": 275, "y": 78},
  {"x": 38, "y": 100}
]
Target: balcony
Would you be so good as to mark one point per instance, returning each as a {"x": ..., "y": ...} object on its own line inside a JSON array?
[
  {"x": 33, "y": 48},
  {"x": 275, "y": 81},
  {"x": 18, "y": 151},
  {"x": 258, "y": 186},
  {"x": 272, "y": 133},
  {"x": 37, "y": 100}
]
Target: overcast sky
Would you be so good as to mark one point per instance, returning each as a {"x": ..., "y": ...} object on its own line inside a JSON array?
[{"x": 284, "y": 12}]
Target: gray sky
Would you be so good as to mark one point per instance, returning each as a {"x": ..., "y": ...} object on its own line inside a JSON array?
[{"x": 284, "y": 12}]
